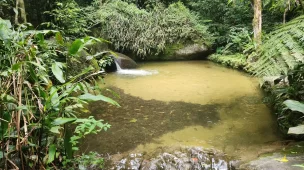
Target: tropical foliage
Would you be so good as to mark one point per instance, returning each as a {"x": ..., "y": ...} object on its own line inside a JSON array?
[
  {"x": 282, "y": 94},
  {"x": 237, "y": 61},
  {"x": 282, "y": 51},
  {"x": 39, "y": 100},
  {"x": 145, "y": 32},
  {"x": 47, "y": 77}
]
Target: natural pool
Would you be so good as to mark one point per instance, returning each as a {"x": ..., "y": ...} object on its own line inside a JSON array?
[{"x": 192, "y": 103}]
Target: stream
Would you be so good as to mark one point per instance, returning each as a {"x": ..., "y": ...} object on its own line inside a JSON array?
[{"x": 188, "y": 103}]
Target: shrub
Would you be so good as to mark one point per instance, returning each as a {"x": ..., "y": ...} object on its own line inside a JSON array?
[
  {"x": 291, "y": 90},
  {"x": 39, "y": 100},
  {"x": 147, "y": 33},
  {"x": 237, "y": 61},
  {"x": 71, "y": 19}
]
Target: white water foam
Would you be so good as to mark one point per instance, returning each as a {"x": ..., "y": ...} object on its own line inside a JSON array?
[{"x": 134, "y": 72}]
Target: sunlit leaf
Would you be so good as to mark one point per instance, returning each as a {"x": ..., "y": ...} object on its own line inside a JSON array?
[
  {"x": 55, "y": 129},
  {"x": 296, "y": 130},
  {"x": 294, "y": 105},
  {"x": 91, "y": 97},
  {"x": 63, "y": 120},
  {"x": 38, "y": 65},
  {"x": 54, "y": 97},
  {"x": 75, "y": 47},
  {"x": 57, "y": 71}
]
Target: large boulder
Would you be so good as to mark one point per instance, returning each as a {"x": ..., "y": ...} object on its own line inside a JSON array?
[
  {"x": 123, "y": 61},
  {"x": 182, "y": 52},
  {"x": 277, "y": 161},
  {"x": 190, "y": 52}
]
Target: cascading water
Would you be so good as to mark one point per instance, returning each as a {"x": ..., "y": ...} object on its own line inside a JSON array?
[{"x": 134, "y": 72}]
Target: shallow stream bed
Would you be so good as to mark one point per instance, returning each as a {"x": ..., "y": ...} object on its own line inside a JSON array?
[{"x": 193, "y": 103}]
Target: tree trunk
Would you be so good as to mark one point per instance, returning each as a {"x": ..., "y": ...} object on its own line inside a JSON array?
[
  {"x": 257, "y": 22},
  {"x": 20, "y": 7},
  {"x": 284, "y": 16},
  {"x": 302, "y": 4},
  {"x": 16, "y": 12}
]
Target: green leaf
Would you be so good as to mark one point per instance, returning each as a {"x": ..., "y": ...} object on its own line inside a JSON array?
[
  {"x": 297, "y": 130},
  {"x": 52, "y": 153},
  {"x": 63, "y": 120},
  {"x": 55, "y": 129},
  {"x": 294, "y": 105},
  {"x": 16, "y": 66},
  {"x": 8, "y": 98},
  {"x": 38, "y": 65},
  {"x": 54, "y": 97},
  {"x": 40, "y": 37},
  {"x": 33, "y": 74},
  {"x": 75, "y": 47},
  {"x": 59, "y": 38},
  {"x": 4, "y": 123},
  {"x": 57, "y": 71},
  {"x": 91, "y": 97},
  {"x": 5, "y": 27}
]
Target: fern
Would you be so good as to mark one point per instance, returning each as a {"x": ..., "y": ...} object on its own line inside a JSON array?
[{"x": 283, "y": 51}]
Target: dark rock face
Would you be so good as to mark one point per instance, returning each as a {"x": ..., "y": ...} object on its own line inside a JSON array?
[
  {"x": 191, "y": 52},
  {"x": 182, "y": 52},
  {"x": 124, "y": 61},
  {"x": 194, "y": 158}
]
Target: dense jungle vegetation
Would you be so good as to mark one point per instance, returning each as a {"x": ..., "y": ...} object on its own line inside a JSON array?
[{"x": 52, "y": 53}]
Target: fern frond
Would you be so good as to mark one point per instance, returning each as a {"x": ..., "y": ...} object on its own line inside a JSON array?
[{"x": 283, "y": 51}]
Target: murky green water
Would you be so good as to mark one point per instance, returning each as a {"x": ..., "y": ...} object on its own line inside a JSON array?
[{"x": 195, "y": 103}]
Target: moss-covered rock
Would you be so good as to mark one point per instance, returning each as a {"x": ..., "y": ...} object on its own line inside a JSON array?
[
  {"x": 290, "y": 157},
  {"x": 122, "y": 60},
  {"x": 178, "y": 51}
]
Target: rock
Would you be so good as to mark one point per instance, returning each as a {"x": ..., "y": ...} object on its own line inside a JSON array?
[
  {"x": 124, "y": 61},
  {"x": 275, "y": 162},
  {"x": 273, "y": 80},
  {"x": 185, "y": 52},
  {"x": 189, "y": 158},
  {"x": 180, "y": 52},
  {"x": 190, "y": 52}
]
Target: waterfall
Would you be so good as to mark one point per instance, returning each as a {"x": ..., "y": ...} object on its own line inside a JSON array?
[
  {"x": 134, "y": 72},
  {"x": 117, "y": 66}
]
